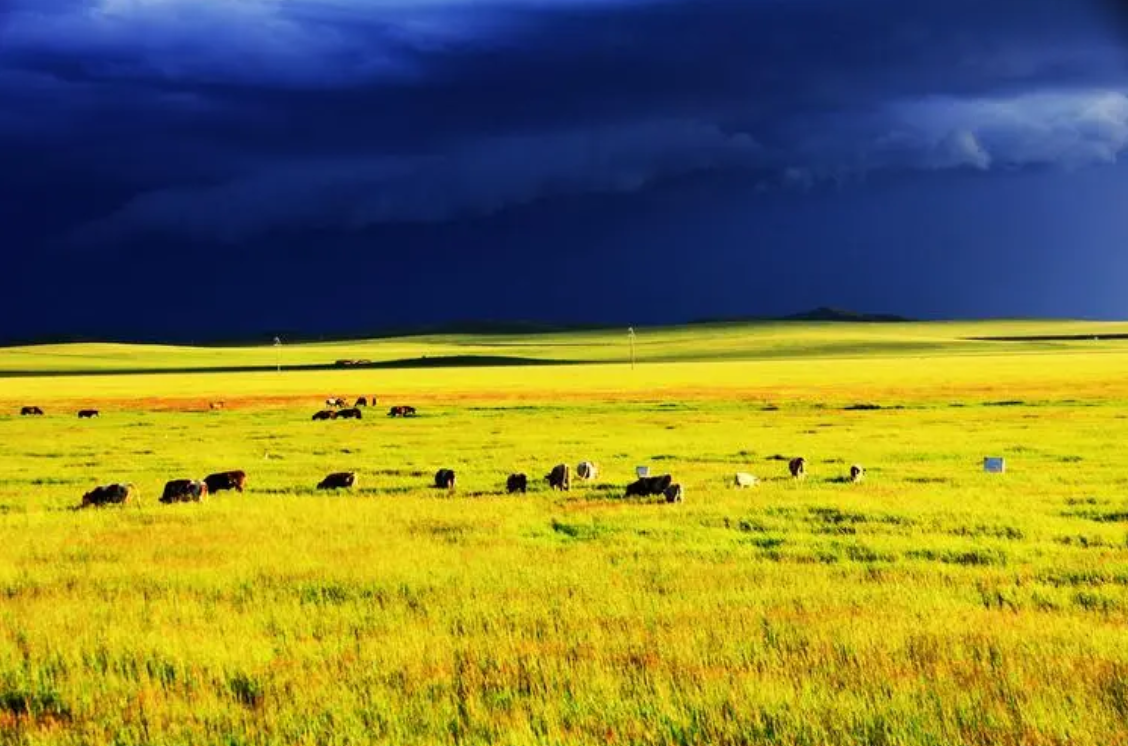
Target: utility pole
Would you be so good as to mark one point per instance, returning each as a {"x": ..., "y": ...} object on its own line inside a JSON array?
[
  {"x": 278, "y": 353},
  {"x": 631, "y": 336}
]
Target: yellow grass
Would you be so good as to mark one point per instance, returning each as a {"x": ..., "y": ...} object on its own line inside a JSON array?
[{"x": 932, "y": 604}]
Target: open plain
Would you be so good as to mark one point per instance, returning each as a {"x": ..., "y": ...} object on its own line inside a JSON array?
[{"x": 931, "y": 604}]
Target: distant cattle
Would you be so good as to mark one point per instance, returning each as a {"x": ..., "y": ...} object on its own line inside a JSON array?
[
  {"x": 444, "y": 479},
  {"x": 857, "y": 473},
  {"x": 110, "y": 494},
  {"x": 517, "y": 483},
  {"x": 86, "y": 414},
  {"x": 350, "y": 414},
  {"x": 184, "y": 491},
  {"x": 226, "y": 480},
  {"x": 647, "y": 486},
  {"x": 363, "y": 401},
  {"x": 587, "y": 471},
  {"x": 31, "y": 412},
  {"x": 325, "y": 414},
  {"x": 341, "y": 480},
  {"x": 401, "y": 411},
  {"x": 560, "y": 478},
  {"x": 743, "y": 479},
  {"x": 215, "y": 405},
  {"x": 798, "y": 467},
  {"x": 673, "y": 493},
  {"x": 337, "y": 402}
]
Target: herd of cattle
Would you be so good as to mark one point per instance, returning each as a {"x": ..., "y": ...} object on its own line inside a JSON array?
[
  {"x": 559, "y": 478},
  {"x": 338, "y": 409}
]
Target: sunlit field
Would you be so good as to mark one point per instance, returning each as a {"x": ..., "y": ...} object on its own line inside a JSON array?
[{"x": 931, "y": 604}]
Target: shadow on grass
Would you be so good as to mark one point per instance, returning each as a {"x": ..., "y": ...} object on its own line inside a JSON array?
[{"x": 448, "y": 361}]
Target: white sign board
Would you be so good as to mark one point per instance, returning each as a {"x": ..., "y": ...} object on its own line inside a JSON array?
[
  {"x": 642, "y": 471},
  {"x": 994, "y": 465}
]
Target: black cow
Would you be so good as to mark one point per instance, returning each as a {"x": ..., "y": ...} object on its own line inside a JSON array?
[
  {"x": 444, "y": 479},
  {"x": 226, "y": 480},
  {"x": 325, "y": 414},
  {"x": 340, "y": 480},
  {"x": 857, "y": 473},
  {"x": 401, "y": 411},
  {"x": 110, "y": 494},
  {"x": 673, "y": 493},
  {"x": 647, "y": 486},
  {"x": 86, "y": 414},
  {"x": 363, "y": 401},
  {"x": 517, "y": 483},
  {"x": 31, "y": 412},
  {"x": 560, "y": 478},
  {"x": 350, "y": 414},
  {"x": 184, "y": 491},
  {"x": 798, "y": 467}
]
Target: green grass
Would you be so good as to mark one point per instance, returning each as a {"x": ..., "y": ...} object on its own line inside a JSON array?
[
  {"x": 697, "y": 343},
  {"x": 932, "y": 604}
]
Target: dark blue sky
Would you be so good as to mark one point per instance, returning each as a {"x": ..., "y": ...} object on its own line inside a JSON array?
[{"x": 190, "y": 168}]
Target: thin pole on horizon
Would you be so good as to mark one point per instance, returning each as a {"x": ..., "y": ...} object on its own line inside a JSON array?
[
  {"x": 278, "y": 353},
  {"x": 631, "y": 336}
]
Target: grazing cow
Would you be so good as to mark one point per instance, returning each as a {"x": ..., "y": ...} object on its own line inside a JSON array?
[
  {"x": 340, "y": 480},
  {"x": 226, "y": 480},
  {"x": 857, "y": 473},
  {"x": 798, "y": 467},
  {"x": 325, "y": 414},
  {"x": 517, "y": 483},
  {"x": 743, "y": 479},
  {"x": 560, "y": 478},
  {"x": 350, "y": 414},
  {"x": 401, "y": 411},
  {"x": 444, "y": 479},
  {"x": 86, "y": 414},
  {"x": 646, "y": 486},
  {"x": 215, "y": 405},
  {"x": 363, "y": 401},
  {"x": 336, "y": 403},
  {"x": 110, "y": 494},
  {"x": 184, "y": 491},
  {"x": 587, "y": 471},
  {"x": 31, "y": 412},
  {"x": 673, "y": 493}
]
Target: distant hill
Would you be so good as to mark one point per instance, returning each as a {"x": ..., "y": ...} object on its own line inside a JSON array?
[{"x": 822, "y": 313}]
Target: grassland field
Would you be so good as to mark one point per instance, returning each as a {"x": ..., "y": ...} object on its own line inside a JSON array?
[{"x": 932, "y": 604}]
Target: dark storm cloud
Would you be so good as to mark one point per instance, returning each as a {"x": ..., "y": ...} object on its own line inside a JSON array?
[{"x": 227, "y": 119}]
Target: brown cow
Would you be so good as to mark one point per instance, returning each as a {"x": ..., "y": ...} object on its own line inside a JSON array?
[
  {"x": 401, "y": 411},
  {"x": 647, "y": 486},
  {"x": 363, "y": 401},
  {"x": 325, "y": 414},
  {"x": 798, "y": 467},
  {"x": 184, "y": 491},
  {"x": 517, "y": 483},
  {"x": 226, "y": 480},
  {"x": 444, "y": 479},
  {"x": 340, "y": 480},
  {"x": 31, "y": 412},
  {"x": 215, "y": 405},
  {"x": 350, "y": 414},
  {"x": 560, "y": 478},
  {"x": 86, "y": 414},
  {"x": 110, "y": 494}
]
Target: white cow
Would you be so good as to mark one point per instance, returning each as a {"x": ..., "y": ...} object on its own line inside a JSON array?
[{"x": 744, "y": 479}]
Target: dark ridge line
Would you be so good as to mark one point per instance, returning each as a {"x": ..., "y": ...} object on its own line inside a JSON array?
[{"x": 1051, "y": 338}]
